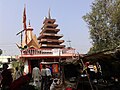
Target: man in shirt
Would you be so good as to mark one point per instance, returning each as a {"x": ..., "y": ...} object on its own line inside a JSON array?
[
  {"x": 36, "y": 76},
  {"x": 48, "y": 76},
  {"x": 43, "y": 80}
]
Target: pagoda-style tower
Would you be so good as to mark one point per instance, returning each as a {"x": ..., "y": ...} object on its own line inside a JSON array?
[{"x": 49, "y": 37}]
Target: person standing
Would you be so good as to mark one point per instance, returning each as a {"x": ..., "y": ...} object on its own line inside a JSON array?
[
  {"x": 6, "y": 77},
  {"x": 48, "y": 76},
  {"x": 36, "y": 76},
  {"x": 43, "y": 80},
  {"x": 99, "y": 71}
]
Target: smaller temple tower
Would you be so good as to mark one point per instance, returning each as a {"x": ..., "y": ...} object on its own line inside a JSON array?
[
  {"x": 30, "y": 39},
  {"x": 49, "y": 37}
]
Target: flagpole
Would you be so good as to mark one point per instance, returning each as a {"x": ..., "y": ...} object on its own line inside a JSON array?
[{"x": 24, "y": 28}]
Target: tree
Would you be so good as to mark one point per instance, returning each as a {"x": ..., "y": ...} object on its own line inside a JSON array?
[
  {"x": 104, "y": 25},
  {"x": 0, "y": 51}
]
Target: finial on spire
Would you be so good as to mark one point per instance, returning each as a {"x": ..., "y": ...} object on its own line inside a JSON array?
[
  {"x": 49, "y": 16},
  {"x": 29, "y": 26}
]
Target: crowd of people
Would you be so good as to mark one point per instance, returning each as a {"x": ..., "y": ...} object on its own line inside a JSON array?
[
  {"x": 41, "y": 78},
  {"x": 44, "y": 76},
  {"x": 13, "y": 82}
]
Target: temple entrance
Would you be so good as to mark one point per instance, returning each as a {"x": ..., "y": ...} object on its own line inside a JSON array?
[
  {"x": 71, "y": 71},
  {"x": 35, "y": 63}
]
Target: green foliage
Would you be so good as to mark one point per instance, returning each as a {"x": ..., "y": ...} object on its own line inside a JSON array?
[
  {"x": 17, "y": 64},
  {"x": 104, "y": 24}
]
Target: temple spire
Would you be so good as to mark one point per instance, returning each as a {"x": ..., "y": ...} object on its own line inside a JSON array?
[{"x": 49, "y": 16}]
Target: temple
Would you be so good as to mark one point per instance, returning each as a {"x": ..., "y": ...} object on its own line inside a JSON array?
[{"x": 47, "y": 48}]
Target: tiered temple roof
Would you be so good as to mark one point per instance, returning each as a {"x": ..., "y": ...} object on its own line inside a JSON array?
[{"x": 49, "y": 37}]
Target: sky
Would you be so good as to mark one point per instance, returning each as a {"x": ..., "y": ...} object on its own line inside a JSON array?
[{"x": 68, "y": 15}]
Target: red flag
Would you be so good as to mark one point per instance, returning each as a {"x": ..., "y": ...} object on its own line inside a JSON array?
[
  {"x": 24, "y": 24},
  {"x": 24, "y": 19}
]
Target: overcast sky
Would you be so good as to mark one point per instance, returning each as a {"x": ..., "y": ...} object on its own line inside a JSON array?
[{"x": 68, "y": 15}]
